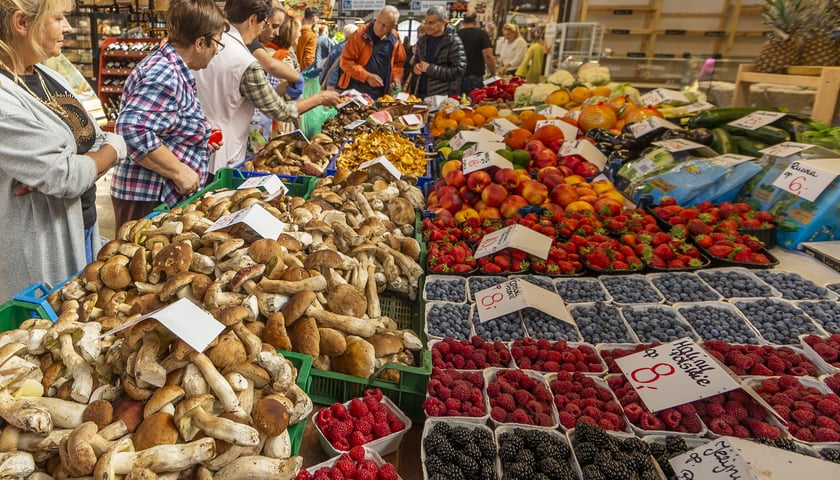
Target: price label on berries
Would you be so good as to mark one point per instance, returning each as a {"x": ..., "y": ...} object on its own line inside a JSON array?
[
  {"x": 805, "y": 179},
  {"x": 515, "y": 295},
  {"x": 675, "y": 373},
  {"x": 756, "y": 120},
  {"x": 714, "y": 460},
  {"x": 514, "y": 236}
]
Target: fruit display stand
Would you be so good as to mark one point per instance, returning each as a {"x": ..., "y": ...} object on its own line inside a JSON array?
[{"x": 826, "y": 84}]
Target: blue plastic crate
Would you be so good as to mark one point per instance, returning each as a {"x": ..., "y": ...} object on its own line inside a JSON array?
[{"x": 36, "y": 295}]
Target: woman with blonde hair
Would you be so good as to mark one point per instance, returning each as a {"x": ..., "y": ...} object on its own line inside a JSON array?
[
  {"x": 51, "y": 152},
  {"x": 512, "y": 51}
]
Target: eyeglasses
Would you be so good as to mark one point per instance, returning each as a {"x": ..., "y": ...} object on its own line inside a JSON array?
[
  {"x": 219, "y": 45},
  {"x": 265, "y": 24}
]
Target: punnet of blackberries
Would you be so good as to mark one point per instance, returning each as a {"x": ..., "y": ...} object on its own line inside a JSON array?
[
  {"x": 454, "y": 451},
  {"x": 528, "y": 454},
  {"x": 604, "y": 457}
]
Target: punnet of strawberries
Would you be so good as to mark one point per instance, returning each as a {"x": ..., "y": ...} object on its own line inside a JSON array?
[
  {"x": 354, "y": 465},
  {"x": 361, "y": 421},
  {"x": 811, "y": 414}
]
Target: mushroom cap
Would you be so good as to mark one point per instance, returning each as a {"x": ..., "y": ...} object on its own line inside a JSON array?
[
  {"x": 137, "y": 267},
  {"x": 411, "y": 247},
  {"x": 295, "y": 273},
  {"x": 252, "y": 372},
  {"x": 201, "y": 282},
  {"x": 316, "y": 225},
  {"x": 385, "y": 343},
  {"x": 216, "y": 236},
  {"x": 251, "y": 272},
  {"x": 271, "y": 418},
  {"x": 227, "y": 351},
  {"x": 175, "y": 283},
  {"x": 297, "y": 305},
  {"x": 100, "y": 412},
  {"x": 114, "y": 273},
  {"x": 146, "y": 303},
  {"x": 323, "y": 258},
  {"x": 91, "y": 271},
  {"x": 305, "y": 337},
  {"x": 129, "y": 411},
  {"x": 332, "y": 342},
  {"x": 230, "y": 316},
  {"x": 244, "y": 193},
  {"x": 109, "y": 249},
  {"x": 227, "y": 247},
  {"x": 186, "y": 409},
  {"x": 164, "y": 395},
  {"x": 291, "y": 243},
  {"x": 358, "y": 360},
  {"x": 264, "y": 249},
  {"x": 79, "y": 457},
  {"x": 156, "y": 429},
  {"x": 347, "y": 300},
  {"x": 173, "y": 258}
]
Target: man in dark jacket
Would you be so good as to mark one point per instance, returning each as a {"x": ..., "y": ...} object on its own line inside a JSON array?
[{"x": 439, "y": 60}]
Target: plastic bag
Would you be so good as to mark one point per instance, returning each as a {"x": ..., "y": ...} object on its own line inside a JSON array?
[{"x": 312, "y": 120}]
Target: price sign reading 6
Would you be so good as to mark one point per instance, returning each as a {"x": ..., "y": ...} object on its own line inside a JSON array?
[
  {"x": 652, "y": 374},
  {"x": 795, "y": 185},
  {"x": 489, "y": 301}
]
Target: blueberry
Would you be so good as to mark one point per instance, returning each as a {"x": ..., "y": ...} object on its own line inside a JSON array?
[
  {"x": 448, "y": 320},
  {"x": 825, "y": 312},
  {"x": 505, "y": 328},
  {"x": 735, "y": 283},
  {"x": 792, "y": 286},
  {"x": 538, "y": 280},
  {"x": 445, "y": 289},
  {"x": 581, "y": 290},
  {"x": 601, "y": 323},
  {"x": 658, "y": 323},
  {"x": 718, "y": 322},
  {"x": 777, "y": 320},
  {"x": 630, "y": 289},
  {"x": 479, "y": 283},
  {"x": 834, "y": 287},
  {"x": 542, "y": 325},
  {"x": 683, "y": 287}
]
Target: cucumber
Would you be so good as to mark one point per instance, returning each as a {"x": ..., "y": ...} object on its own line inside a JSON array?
[
  {"x": 793, "y": 126},
  {"x": 766, "y": 134},
  {"x": 718, "y": 116},
  {"x": 748, "y": 146},
  {"x": 721, "y": 142}
]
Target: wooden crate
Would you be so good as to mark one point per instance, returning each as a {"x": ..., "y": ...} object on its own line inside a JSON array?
[{"x": 827, "y": 86}]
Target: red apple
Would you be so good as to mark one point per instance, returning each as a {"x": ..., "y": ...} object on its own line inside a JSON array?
[
  {"x": 478, "y": 180},
  {"x": 555, "y": 145},
  {"x": 451, "y": 202},
  {"x": 587, "y": 169},
  {"x": 534, "y": 192},
  {"x": 468, "y": 196},
  {"x": 545, "y": 158},
  {"x": 511, "y": 205},
  {"x": 493, "y": 194},
  {"x": 571, "y": 161},
  {"x": 507, "y": 177},
  {"x": 533, "y": 147},
  {"x": 455, "y": 178}
]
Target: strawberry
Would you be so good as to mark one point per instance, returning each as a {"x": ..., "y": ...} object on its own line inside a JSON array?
[
  {"x": 664, "y": 251},
  {"x": 721, "y": 251}
]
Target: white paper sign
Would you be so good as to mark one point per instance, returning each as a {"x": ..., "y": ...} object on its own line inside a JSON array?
[
  {"x": 185, "y": 319},
  {"x": 434, "y": 101},
  {"x": 492, "y": 79},
  {"x": 382, "y": 160},
  {"x": 515, "y": 295},
  {"x": 402, "y": 96},
  {"x": 355, "y": 124},
  {"x": 473, "y": 136},
  {"x": 552, "y": 111},
  {"x": 411, "y": 120},
  {"x": 270, "y": 184},
  {"x": 482, "y": 160},
  {"x": 675, "y": 145},
  {"x": 804, "y": 180},
  {"x": 698, "y": 107},
  {"x": 662, "y": 95},
  {"x": 716, "y": 460},
  {"x": 502, "y": 126},
  {"x": 731, "y": 159},
  {"x": 648, "y": 125},
  {"x": 569, "y": 131},
  {"x": 484, "y": 146},
  {"x": 514, "y": 236},
  {"x": 258, "y": 222},
  {"x": 675, "y": 373},
  {"x": 756, "y": 120},
  {"x": 586, "y": 150}
]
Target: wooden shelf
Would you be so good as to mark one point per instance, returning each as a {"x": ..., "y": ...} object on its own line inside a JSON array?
[{"x": 827, "y": 85}]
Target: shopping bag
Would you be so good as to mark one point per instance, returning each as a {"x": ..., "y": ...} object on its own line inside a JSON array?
[{"x": 312, "y": 120}]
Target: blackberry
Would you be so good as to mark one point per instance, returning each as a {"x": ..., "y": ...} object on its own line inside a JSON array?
[
  {"x": 488, "y": 472},
  {"x": 785, "y": 444},
  {"x": 674, "y": 444},
  {"x": 471, "y": 450},
  {"x": 438, "y": 476},
  {"x": 452, "y": 472},
  {"x": 830, "y": 454},
  {"x": 434, "y": 464},
  {"x": 586, "y": 452},
  {"x": 635, "y": 444},
  {"x": 657, "y": 449},
  {"x": 521, "y": 470},
  {"x": 527, "y": 457},
  {"x": 468, "y": 465},
  {"x": 592, "y": 472},
  {"x": 590, "y": 433},
  {"x": 550, "y": 466},
  {"x": 434, "y": 443},
  {"x": 442, "y": 429},
  {"x": 541, "y": 476},
  {"x": 639, "y": 461},
  {"x": 649, "y": 475},
  {"x": 508, "y": 448},
  {"x": 460, "y": 436},
  {"x": 554, "y": 449}
]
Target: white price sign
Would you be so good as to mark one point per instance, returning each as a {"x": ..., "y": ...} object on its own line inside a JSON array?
[
  {"x": 355, "y": 124},
  {"x": 382, "y": 160},
  {"x": 480, "y": 161},
  {"x": 698, "y": 107},
  {"x": 731, "y": 159},
  {"x": 716, "y": 460},
  {"x": 804, "y": 180},
  {"x": 492, "y": 80},
  {"x": 502, "y": 126},
  {"x": 648, "y": 125},
  {"x": 515, "y": 295},
  {"x": 484, "y": 146},
  {"x": 270, "y": 184},
  {"x": 756, "y": 120},
  {"x": 675, "y": 145},
  {"x": 569, "y": 131},
  {"x": 675, "y": 373},
  {"x": 514, "y": 236},
  {"x": 257, "y": 221},
  {"x": 552, "y": 111},
  {"x": 402, "y": 97},
  {"x": 586, "y": 150},
  {"x": 662, "y": 95},
  {"x": 475, "y": 136}
]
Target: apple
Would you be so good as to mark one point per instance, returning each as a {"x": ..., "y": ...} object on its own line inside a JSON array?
[
  {"x": 571, "y": 161},
  {"x": 507, "y": 177},
  {"x": 478, "y": 180},
  {"x": 468, "y": 196},
  {"x": 533, "y": 147},
  {"x": 534, "y": 192},
  {"x": 451, "y": 202},
  {"x": 587, "y": 169},
  {"x": 511, "y": 205},
  {"x": 455, "y": 178},
  {"x": 555, "y": 145},
  {"x": 546, "y": 158},
  {"x": 492, "y": 195}
]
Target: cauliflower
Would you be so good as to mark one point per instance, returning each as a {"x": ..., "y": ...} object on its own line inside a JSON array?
[
  {"x": 522, "y": 95},
  {"x": 627, "y": 89},
  {"x": 694, "y": 96},
  {"x": 593, "y": 74},
  {"x": 561, "y": 78},
  {"x": 541, "y": 91}
]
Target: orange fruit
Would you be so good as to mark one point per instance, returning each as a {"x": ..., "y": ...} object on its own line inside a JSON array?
[
  {"x": 598, "y": 115},
  {"x": 478, "y": 119},
  {"x": 548, "y": 133},
  {"x": 514, "y": 119},
  {"x": 516, "y": 139},
  {"x": 457, "y": 115},
  {"x": 530, "y": 122},
  {"x": 467, "y": 122},
  {"x": 558, "y": 97},
  {"x": 526, "y": 114},
  {"x": 580, "y": 94},
  {"x": 449, "y": 123},
  {"x": 601, "y": 91},
  {"x": 435, "y": 131},
  {"x": 487, "y": 111}
]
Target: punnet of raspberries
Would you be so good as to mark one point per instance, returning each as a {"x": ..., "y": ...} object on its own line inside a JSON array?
[
  {"x": 473, "y": 354},
  {"x": 517, "y": 398},
  {"x": 352, "y": 466},
  {"x": 811, "y": 415},
  {"x": 827, "y": 348},
  {"x": 610, "y": 354},
  {"x": 579, "y": 398},
  {"x": 736, "y": 414},
  {"x": 455, "y": 394},
  {"x": 682, "y": 419},
  {"x": 547, "y": 356},
  {"x": 361, "y": 421},
  {"x": 833, "y": 382},
  {"x": 761, "y": 360}
]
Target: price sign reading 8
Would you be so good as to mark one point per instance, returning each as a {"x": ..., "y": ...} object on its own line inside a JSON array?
[
  {"x": 490, "y": 301},
  {"x": 640, "y": 375}
]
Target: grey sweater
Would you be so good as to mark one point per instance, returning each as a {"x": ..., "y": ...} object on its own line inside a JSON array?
[{"x": 43, "y": 235}]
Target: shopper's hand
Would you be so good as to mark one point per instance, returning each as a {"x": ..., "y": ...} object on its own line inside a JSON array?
[
  {"x": 21, "y": 189},
  {"x": 329, "y": 98},
  {"x": 214, "y": 146},
  {"x": 294, "y": 91},
  {"x": 117, "y": 143},
  {"x": 374, "y": 80},
  {"x": 186, "y": 181}
]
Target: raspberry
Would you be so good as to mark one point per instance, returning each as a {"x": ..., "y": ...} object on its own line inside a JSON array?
[
  {"x": 650, "y": 422},
  {"x": 561, "y": 386},
  {"x": 763, "y": 429},
  {"x": 506, "y": 401},
  {"x": 718, "y": 426},
  {"x": 453, "y": 404},
  {"x": 365, "y": 475},
  {"x": 826, "y": 422},
  {"x": 783, "y": 411},
  {"x": 358, "y": 408},
  {"x": 829, "y": 405},
  {"x": 493, "y": 390},
  {"x": 461, "y": 390},
  {"x": 782, "y": 399},
  {"x": 477, "y": 412},
  {"x": 519, "y": 416},
  {"x": 729, "y": 419},
  {"x": 476, "y": 379},
  {"x": 740, "y": 431},
  {"x": 522, "y": 397},
  {"x": 396, "y": 426},
  {"x": 339, "y": 411},
  {"x": 498, "y": 414},
  {"x": 776, "y": 364},
  {"x": 322, "y": 474},
  {"x": 827, "y": 435},
  {"x": 323, "y": 417},
  {"x": 336, "y": 474},
  {"x": 347, "y": 466},
  {"x": 606, "y": 424},
  {"x": 799, "y": 404},
  {"x": 618, "y": 422},
  {"x": 338, "y": 431},
  {"x": 342, "y": 444},
  {"x": 715, "y": 410},
  {"x": 585, "y": 419},
  {"x": 543, "y": 420},
  {"x": 760, "y": 370},
  {"x": 806, "y": 435},
  {"x": 803, "y": 418},
  {"x": 788, "y": 382},
  {"x": 381, "y": 430},
  {"x": 357, "y": 438},
  {"x": 833, "y": 383},
  {"x": 303, "y": 474},
  {"x": 567, "y": 419},
  {"x": 692, "y": 423},
  {"x": 634, "y": 412},
  {"x": 387, "y": 472},
  {"x": 573, "y": 409},
  {"x": 736, "y": 409},
  {"x": 671, "y": 417},
  {"x": 362, "y": 425},
  {"x": 475, "y": 397}
]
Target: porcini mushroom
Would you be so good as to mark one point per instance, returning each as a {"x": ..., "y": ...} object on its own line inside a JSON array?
[
  {"x": 259, "y": 467},
  {"x": 191, "y": 416}
]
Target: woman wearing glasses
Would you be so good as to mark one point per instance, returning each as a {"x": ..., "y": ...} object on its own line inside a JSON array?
[{"x": 161, "y": 119}]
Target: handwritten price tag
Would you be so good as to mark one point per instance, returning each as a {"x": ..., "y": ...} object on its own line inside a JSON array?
[
  {"x": 756, "y": 120},
  {"x": 804, "y": 180},
  {"x": 648, "y": 125},
  {"x": 257, "y": 221},
  {"x": 552, "y": 111},
  {"x": 382, "y": 160},
  {"x": 270, "y": 184},
  {"x": 502, "y": 126},
  {"x": 731, "y": 159},
  {"x": 480, "y": 161},
  {"x": 662, "y": 95},
  {"x": 515, "y": 295},
  {"x": 714, "y": 460},
  {"x": 698, "y": 107},
  {"x": 355, "y": 124},
  {"x": 675, "y": 145},
  {"x": 514, "y": 236},
  {"x": 675, "y": 373}
]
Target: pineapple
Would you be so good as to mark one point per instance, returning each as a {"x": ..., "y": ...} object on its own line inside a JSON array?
[
  {"x": 783, "y": 47},
  {"x": 820, "y": 48}
]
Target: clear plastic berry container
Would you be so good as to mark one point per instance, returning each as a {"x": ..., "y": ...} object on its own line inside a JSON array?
[
  {"x": 429, "y": 426},
  {"x": 560, "y": 437},
  {"x": 779, "y": 321},
  {"x": 785, "y": 283},
  {"x": 490, "y": 376},
  {"x": 382, "y": 446},
  {"x": 464, "y": 418},
  {"x": 457, "y": 286},
  {"x": 433, "y": 343},
  {"x": 826, "y": 313},
  {"x": 599, "y": 382},
  {"x": 737, "y": 282}
]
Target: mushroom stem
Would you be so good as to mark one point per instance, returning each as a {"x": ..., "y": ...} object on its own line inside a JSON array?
[
  {"x": 31, "y": 442},
  {"x": 268, "y": 303},
  {"x": 227, "y": 430},
  {"x": 79, "y": 370},
  {"x": 16, "y": 464},
  {"x": 146, "y": 368},
  {"x": 315, "y": 283},
  {"x": 259, "y": 467},
  {"x": 345, "y": 323},
  {"x": 25, "y": 417},
  {"x": 217, "y": 383},
  {"x": 278, "y": 446},
  {"x": 374, "y": 309},
  {"x": 63, "y": 413},
  {"x": 166, "y": 458}
]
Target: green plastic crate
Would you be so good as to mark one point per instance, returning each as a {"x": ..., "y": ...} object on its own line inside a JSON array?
[
  {"x": 303, "y": 364},
  {"x": 15, "y": 312},
  {"x": 230, "y": 178},
  {"x": 409, "y": 393}
]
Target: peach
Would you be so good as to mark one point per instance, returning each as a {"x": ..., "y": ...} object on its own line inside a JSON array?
[
  {"x": 443, "y": 214},
  {"x": 507, "y": 177},
  {"x": 552, "y": 181},
  {"x": 545, "y": 158},
  {"x": 465, "y": 214},
  {"x": 455, "y": 178},
  {"x": 493, "y": 194},
  {"x": 488, "y": 213},
  {"x": 451, "y": 202},
  {"x": 552, "y": 169},
  {"x": 563, "y": 194},
  {"x": 534, "y": 192},
  {"x": 511, "y": 205},
  {"x": 468, "y": 196},
  {"x": 478, "y": 180},
  {"x": 449, "y": 166}
]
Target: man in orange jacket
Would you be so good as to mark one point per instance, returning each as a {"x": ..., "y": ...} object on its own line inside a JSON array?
[{"x": 373, "y": 57}]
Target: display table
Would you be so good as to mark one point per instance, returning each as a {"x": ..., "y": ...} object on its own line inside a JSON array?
[{"x": 827, "y": 86}]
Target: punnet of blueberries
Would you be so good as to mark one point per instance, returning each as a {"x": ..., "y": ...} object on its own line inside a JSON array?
[
  {"x": 446, "y": 289},
  {"x": 718, "y": 321},
  {"x": 538, "y": 280},
  {"x": 793, "y": 286},
  {"x": 736, "y": 283},
  {"x": 581, "y": 290},
  {"x": 659, "y": 323},
  {"x": 539, "y": 324},
  {"x": 777, "y": 320},
  {"x": 448, "y": 320},
  {"x": 683, "y": 287},
  {"x": 630, "y": 289},
  {"x": 601, "y": 323},
  {"x": 478, "y": 283},
  {"x": 505, "y": 328},
  {"x": 824, "y": 312}
]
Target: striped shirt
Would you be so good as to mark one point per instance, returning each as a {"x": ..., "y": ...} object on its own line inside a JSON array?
[{"x": 160, "y": 107}]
